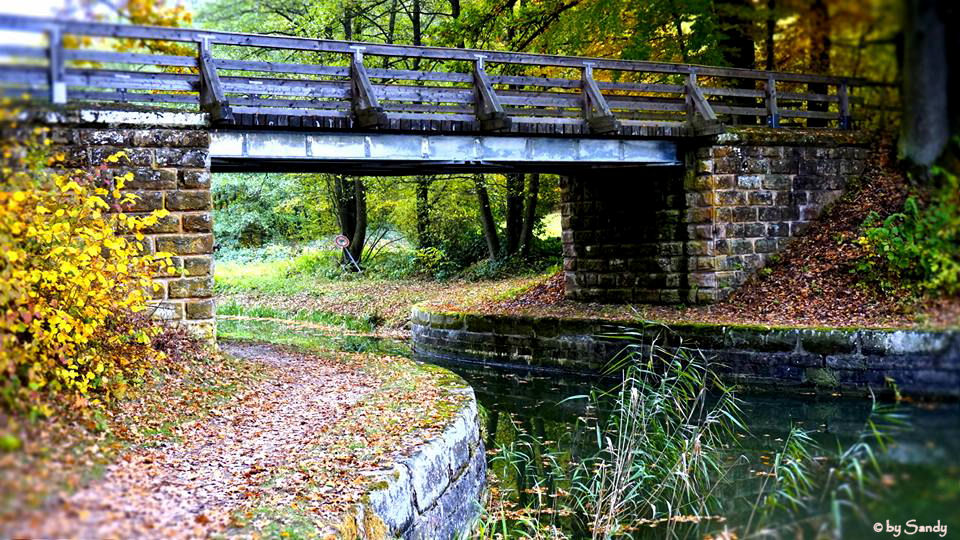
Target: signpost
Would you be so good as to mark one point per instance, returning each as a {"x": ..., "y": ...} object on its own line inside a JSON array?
[{"x": 343, "y": 243}]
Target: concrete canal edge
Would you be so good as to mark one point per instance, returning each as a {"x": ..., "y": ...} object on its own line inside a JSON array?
[
  {"x": 432, "y": 492},
  {"x": 851, "y": 361}
]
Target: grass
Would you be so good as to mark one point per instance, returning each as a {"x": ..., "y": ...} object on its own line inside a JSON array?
[
  {"x": 311, "y": 339},
  {"x": 306, "y": 315}
]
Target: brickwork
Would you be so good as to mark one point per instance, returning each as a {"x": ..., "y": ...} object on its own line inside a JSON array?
[
  {"x": 667, "y": 236},
  {"x": 746, "y": 198},
  {"x": 171, "y": 170},
  {"x": 623, "y": 235}
]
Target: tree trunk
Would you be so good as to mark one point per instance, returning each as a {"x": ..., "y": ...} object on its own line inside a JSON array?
[
  {"x": 486, "y": 217},
  {"x": 737, "y": 46},
  {"x": 530, "y": 213},
  {"x": 926, "y": 124},
  {"x": 424, "y": 238},
  {"x": 345, "y": 205},
  {"x": 769, "y": 47},
  {"x": 819, "y": 18},
  {"x": 514, "y": 212},
  {"x": 360, "y": 226}
]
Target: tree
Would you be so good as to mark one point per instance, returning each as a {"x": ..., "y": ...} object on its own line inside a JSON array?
[
  {"x": 486, "y": 217},
  {"x": 925, "y": 128},
  {"x": 349, "y": 200}
]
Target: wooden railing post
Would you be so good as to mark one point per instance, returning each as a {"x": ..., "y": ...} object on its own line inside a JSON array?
[
  {"x": 486, "y": 104},
  {"x": 701, "y": 118},
  {"x": 773, "y": 113},
  {"x": 845, "y": 120},
  {"x": 212, "y": 99},
  {"x": 366, "y": 106},
  {"x": 596, "y": 111},
  {"x": 57, "y": 86}
]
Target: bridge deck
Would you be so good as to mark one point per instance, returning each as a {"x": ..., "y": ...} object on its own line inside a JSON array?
[{"x": 248, "y": 81}]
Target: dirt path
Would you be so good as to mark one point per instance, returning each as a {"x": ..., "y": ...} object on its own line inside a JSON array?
[{"x": 190, "y": 488}]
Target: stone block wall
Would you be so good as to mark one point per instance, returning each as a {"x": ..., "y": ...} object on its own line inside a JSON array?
[
  {"x": 168, "y": 154},
  {"x": 751, "y": 191},
  {"x": 623, "y": 235},
  {"x": 692, "y": 234}
]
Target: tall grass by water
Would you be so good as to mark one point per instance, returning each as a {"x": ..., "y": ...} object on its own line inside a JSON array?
[{"x": 662, "y": 455}]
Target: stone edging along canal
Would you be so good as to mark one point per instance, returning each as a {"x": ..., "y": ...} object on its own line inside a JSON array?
[
  {"x": 918, "y": 362},
  {"x": 432, "y": 493}
]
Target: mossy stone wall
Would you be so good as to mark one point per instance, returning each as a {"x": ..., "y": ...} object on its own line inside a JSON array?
[{"x": 925, "y": 363}]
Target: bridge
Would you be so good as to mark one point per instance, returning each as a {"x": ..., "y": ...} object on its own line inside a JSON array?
[{"x": 679, "y": 180}]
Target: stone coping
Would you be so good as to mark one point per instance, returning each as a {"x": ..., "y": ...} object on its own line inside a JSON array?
[
  {"x": 844, "y": 360},
  {"x": 432, "y": 492}
]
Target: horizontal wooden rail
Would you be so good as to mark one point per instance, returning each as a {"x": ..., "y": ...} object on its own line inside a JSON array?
[{"x": 249, "y": 79}]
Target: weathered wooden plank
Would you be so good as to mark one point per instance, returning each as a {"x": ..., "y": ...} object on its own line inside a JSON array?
[
  {"x": 267, "y": 112},
  {"x": 734, "y": 92},
  {"x": 596, "y": 111},
  {"x": 805, "y": 96},
  {"x": 55, "y": 65},
  {"x": 793, "y": 113},
  {"x": 845, "y": 121},
  {"x": 25, "y": 75},
  {"x": 529, "y": 121},
  {"x": 411, "y": 75},
  {"x": 773, "y": 110},
  {"x": 697, "y": 104},
  {"x": 642, "y": 87},
  {"x": 88, "y": 55},
  {"x": 645, "y": 105},
  {"x": 744, "y": 111},
  {"x": 282, "y": 67},
  {"x": 425, "y": 107},
  {"x": 22, "y": 51},
  {"x": 135, "y": 97},
  {"x": 279, "y": 87},
  {"x": 408, "y": 117},
  {"x": 290, "y": 103},
  {"x": 186, "y": 83}
]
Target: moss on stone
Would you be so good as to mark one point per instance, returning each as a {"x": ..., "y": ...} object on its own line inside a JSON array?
[{"x": 822, "y": 377}]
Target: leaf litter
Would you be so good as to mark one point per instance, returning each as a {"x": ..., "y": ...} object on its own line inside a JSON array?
[{"x": 292, "y": 452}]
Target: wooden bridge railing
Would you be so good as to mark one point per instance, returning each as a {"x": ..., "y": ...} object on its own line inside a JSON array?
[{"x": 239, "y": 80}]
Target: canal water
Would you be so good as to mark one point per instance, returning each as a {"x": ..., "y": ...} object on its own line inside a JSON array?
[{"x": 915, "y": 482}]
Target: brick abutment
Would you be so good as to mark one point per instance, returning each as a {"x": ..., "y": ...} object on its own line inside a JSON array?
[
  {"x": 170, "y": 165},
  {"x": 692, "y": 234}
]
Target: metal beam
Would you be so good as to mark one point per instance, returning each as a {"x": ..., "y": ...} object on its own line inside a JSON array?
[{"x": 399, "y": 154}]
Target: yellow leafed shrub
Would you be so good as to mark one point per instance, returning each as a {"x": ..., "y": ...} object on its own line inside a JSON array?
[{"x": 74, "y": 286}]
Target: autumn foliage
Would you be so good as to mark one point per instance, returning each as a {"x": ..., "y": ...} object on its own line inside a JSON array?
[{"x": 74, "y": 291}]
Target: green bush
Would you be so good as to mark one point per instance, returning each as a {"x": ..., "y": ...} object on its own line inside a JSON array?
[{"x": 917, "y": 249}]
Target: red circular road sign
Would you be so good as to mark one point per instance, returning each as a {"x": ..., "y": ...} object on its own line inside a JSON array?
[{"x": 341, "y": 241}]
